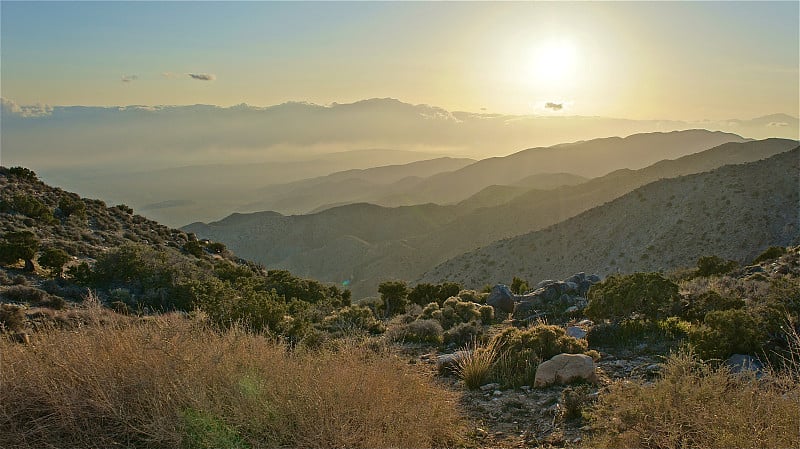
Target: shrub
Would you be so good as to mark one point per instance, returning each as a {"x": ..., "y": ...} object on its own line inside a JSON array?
[
  {"x": 727, "y": 332},
  {"x": 19, "y": 245},
  {"x": 631, "y": 333},
  {"x": 54, "y": 259},
  {"x": 394, "y": 296},
  {"x": 709, "y": 301},
  {"x": 646, "y": 295},
  {"x": 521, "y": 351},
  {"x": 12, "y": 318},
  {"x": 71, "y": 206},
  {"x": 486, "y": 313},
  {"x": 453, "y": 312},
  {"x": 773, "y": 252},
  {"x": 194, "y": 248},
  {"x": 574, "y": 400},
  {"x": 353, "y": 319},
  {"x": 23, "y": 173},
  {"x": 519, "y": 286},
  {"x": 31, "y": 207},
  {"x": 426, "y": 293},
  {"x": 695, "y": 405},
  {"x": 463, "y": 333},
  {"x": 418, "y": 331},
  {"x": 714, "y": 265}
]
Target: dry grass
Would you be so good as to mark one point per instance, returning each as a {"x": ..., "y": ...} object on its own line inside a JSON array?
[
  {"x": 172, "y": 382},
  {"x": 695, "y": 405},
  {"x": 475, "y": 367}
]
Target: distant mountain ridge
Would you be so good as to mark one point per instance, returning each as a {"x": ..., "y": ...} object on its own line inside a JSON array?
[
  {"x": 733, "y": 212},
  {"x": 366, "y": 244}
]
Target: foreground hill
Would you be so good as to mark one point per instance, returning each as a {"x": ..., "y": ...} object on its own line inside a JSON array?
[
  {"x": 733, "y": 212},
  {"x": 366, "y": 244}
]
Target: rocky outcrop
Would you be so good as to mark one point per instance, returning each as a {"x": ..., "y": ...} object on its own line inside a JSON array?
[
  {"x": 569, "y": 294},
  {"x": 565, "y": 368},
  {"x": 501, "y": 298}
]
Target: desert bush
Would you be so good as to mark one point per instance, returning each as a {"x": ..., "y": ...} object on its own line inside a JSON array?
[
  {"x": 574, "y": 400},
  {"x": 631, "y": 333},
  {"x": 394, "y": 296},
  {"x": 71, "y": 206},
  {"x": 426, "y": 293},
  {"x": 23, "y": 173},
  {"x": 19, "y": 245},
  {"x": 714, "y": 266},
  {"x": 30, "y": 207},
  {"x": 417, "y": 331},
  {"x": 473, "y": 296},
  {"x": 453, "y": 312},
  {"x": 486, "y": 313},
  {"x": 773, "y": 252},
  {"x": 12, "y": 318},
  {"x": 696, "y": 405},
  {"x": 521, "y": 350},
  {"x": 645, "y": 295},
  {"x": 727, "y": 332},
  {"x": 710, "y": 301},
  {"x": 463, "y": 333},
  {"x": 54, "y": 259},
  {"x": 519, "y": 286},
  {"x": 352, "y": 319},
  {"x": 169, "y": 382}
]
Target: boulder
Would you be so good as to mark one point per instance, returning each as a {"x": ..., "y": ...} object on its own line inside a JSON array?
[
  {"x": 450, "y": 361},
  {"x": 545, "y": 283},
  {"x": 501, "y": 298},
  {"x": 575, "y": 331},
  {"x": 565, "y": 368},
  {"x": 593, "y": 278},
  {"x": 525, "y": 309}
]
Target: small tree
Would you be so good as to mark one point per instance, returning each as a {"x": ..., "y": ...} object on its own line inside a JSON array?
[
  {"x": 394, "y": 296},
  {"x": 54, "y": 259},
  {"x": 714, "y": 265},
  {"x": 519, "y": 286},
  {"x": 646, "y": 295},
  {"x": 19, "y": 245}
]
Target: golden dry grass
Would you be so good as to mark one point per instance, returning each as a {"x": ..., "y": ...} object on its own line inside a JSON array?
[
  {"x": 172, "y": 382},
  {"x": 695, "y": 405}
]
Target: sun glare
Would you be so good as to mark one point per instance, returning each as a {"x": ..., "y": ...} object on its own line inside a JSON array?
[{"x": 553, "y": 64}]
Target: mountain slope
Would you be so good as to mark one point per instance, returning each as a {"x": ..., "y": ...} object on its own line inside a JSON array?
[
  {"x": 733, "y": 212},
  {"x": 367, "y": 244}
]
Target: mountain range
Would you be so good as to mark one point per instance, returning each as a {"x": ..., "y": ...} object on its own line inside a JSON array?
[{"x": 364, "y": 244}]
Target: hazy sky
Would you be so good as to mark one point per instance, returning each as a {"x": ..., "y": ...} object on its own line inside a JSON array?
[{"x": 686, "y": 61}]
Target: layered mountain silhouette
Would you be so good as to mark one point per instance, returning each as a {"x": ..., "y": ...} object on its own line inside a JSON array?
[
  {"x": 732, "y": 212},
  {"x": 365, "y": 244}
]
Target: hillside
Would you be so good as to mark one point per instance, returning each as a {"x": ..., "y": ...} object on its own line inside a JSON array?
[
  {"x": 733, "y": 212},
  {"x": 379, "y": 243}
]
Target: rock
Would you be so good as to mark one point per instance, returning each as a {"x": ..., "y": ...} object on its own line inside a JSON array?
[
  {"x": 754, "y": 269},
  {"x": 549, "y": 293},
  {"x": 584, "y": 287},
  {"x": 497, "y": 393},
  {"x": 575, "y": 331},
  {"x": 572, "y": 309},
  {"x": 545, "y": 283},
  {"x": 450, "y": 361},
  {"x": 593, "y": 278},
  {"x": 525, "y": 309},
  {"x": 571, "y": 286},
  {"x": 501, "y": 298},
  {"x": 488, "y": 387},
  {"x": 740, "y": 363},
  {"x": 586, "y": 323},
  {"x": 565, "y": 368},
  {"x": 565, "y": 299}
]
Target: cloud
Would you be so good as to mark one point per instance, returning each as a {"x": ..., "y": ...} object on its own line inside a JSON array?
[
  {"x": 35, "y": 110},
  {"x": 554, "y": 106},
  {"x": 203, "y": 76},
  {"x": 129, "y": 78},
  {"x": 777, "y": 124}
]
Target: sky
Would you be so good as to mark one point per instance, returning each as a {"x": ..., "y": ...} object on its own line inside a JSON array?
[{"x": 649, "y": 60}]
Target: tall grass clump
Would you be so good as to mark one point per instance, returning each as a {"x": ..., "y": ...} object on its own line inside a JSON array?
[
  {"x": 476, "y": 364},
  {"x": 171, "y": 382},
  {"x": 695, "y": 404}
]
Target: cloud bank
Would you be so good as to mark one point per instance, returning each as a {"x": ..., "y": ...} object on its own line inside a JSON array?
[{"x": 203, "y": 76}]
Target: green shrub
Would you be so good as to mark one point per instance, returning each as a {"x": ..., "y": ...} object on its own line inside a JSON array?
[
  {"x": 31, "y": 207},
  {"x": 645, "y": 295},
  {"x": 425, "y": 293},
  {"x": 54, "y": 259},
  {"x": 71, "y": 206},
  {"x": 709, "y": 301},
  {"x": 353, "y": 319},
  {"x": 714, "y": 265},
  {"x": 194, "y": 248},
  {"x": 453, "y": 312},
  {"x": 574, "y": 400},
  {"x": 519, "y": 286},
  {"x": 23, "y": 173},
  {"x": 394, "y": 296},
  {"x": 486, "y": 313},
  {"x": 521, "y": 350},
  {"x": 630, "y": 333},
  {"x": 727, "y": 332},
  {"x": 19, "y": 245},
  {"x": 418, "y": 331},
  {"x": 773, "y": 252}
]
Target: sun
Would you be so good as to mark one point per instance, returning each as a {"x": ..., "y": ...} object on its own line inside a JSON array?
[{"x": 553, "y": 64}]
